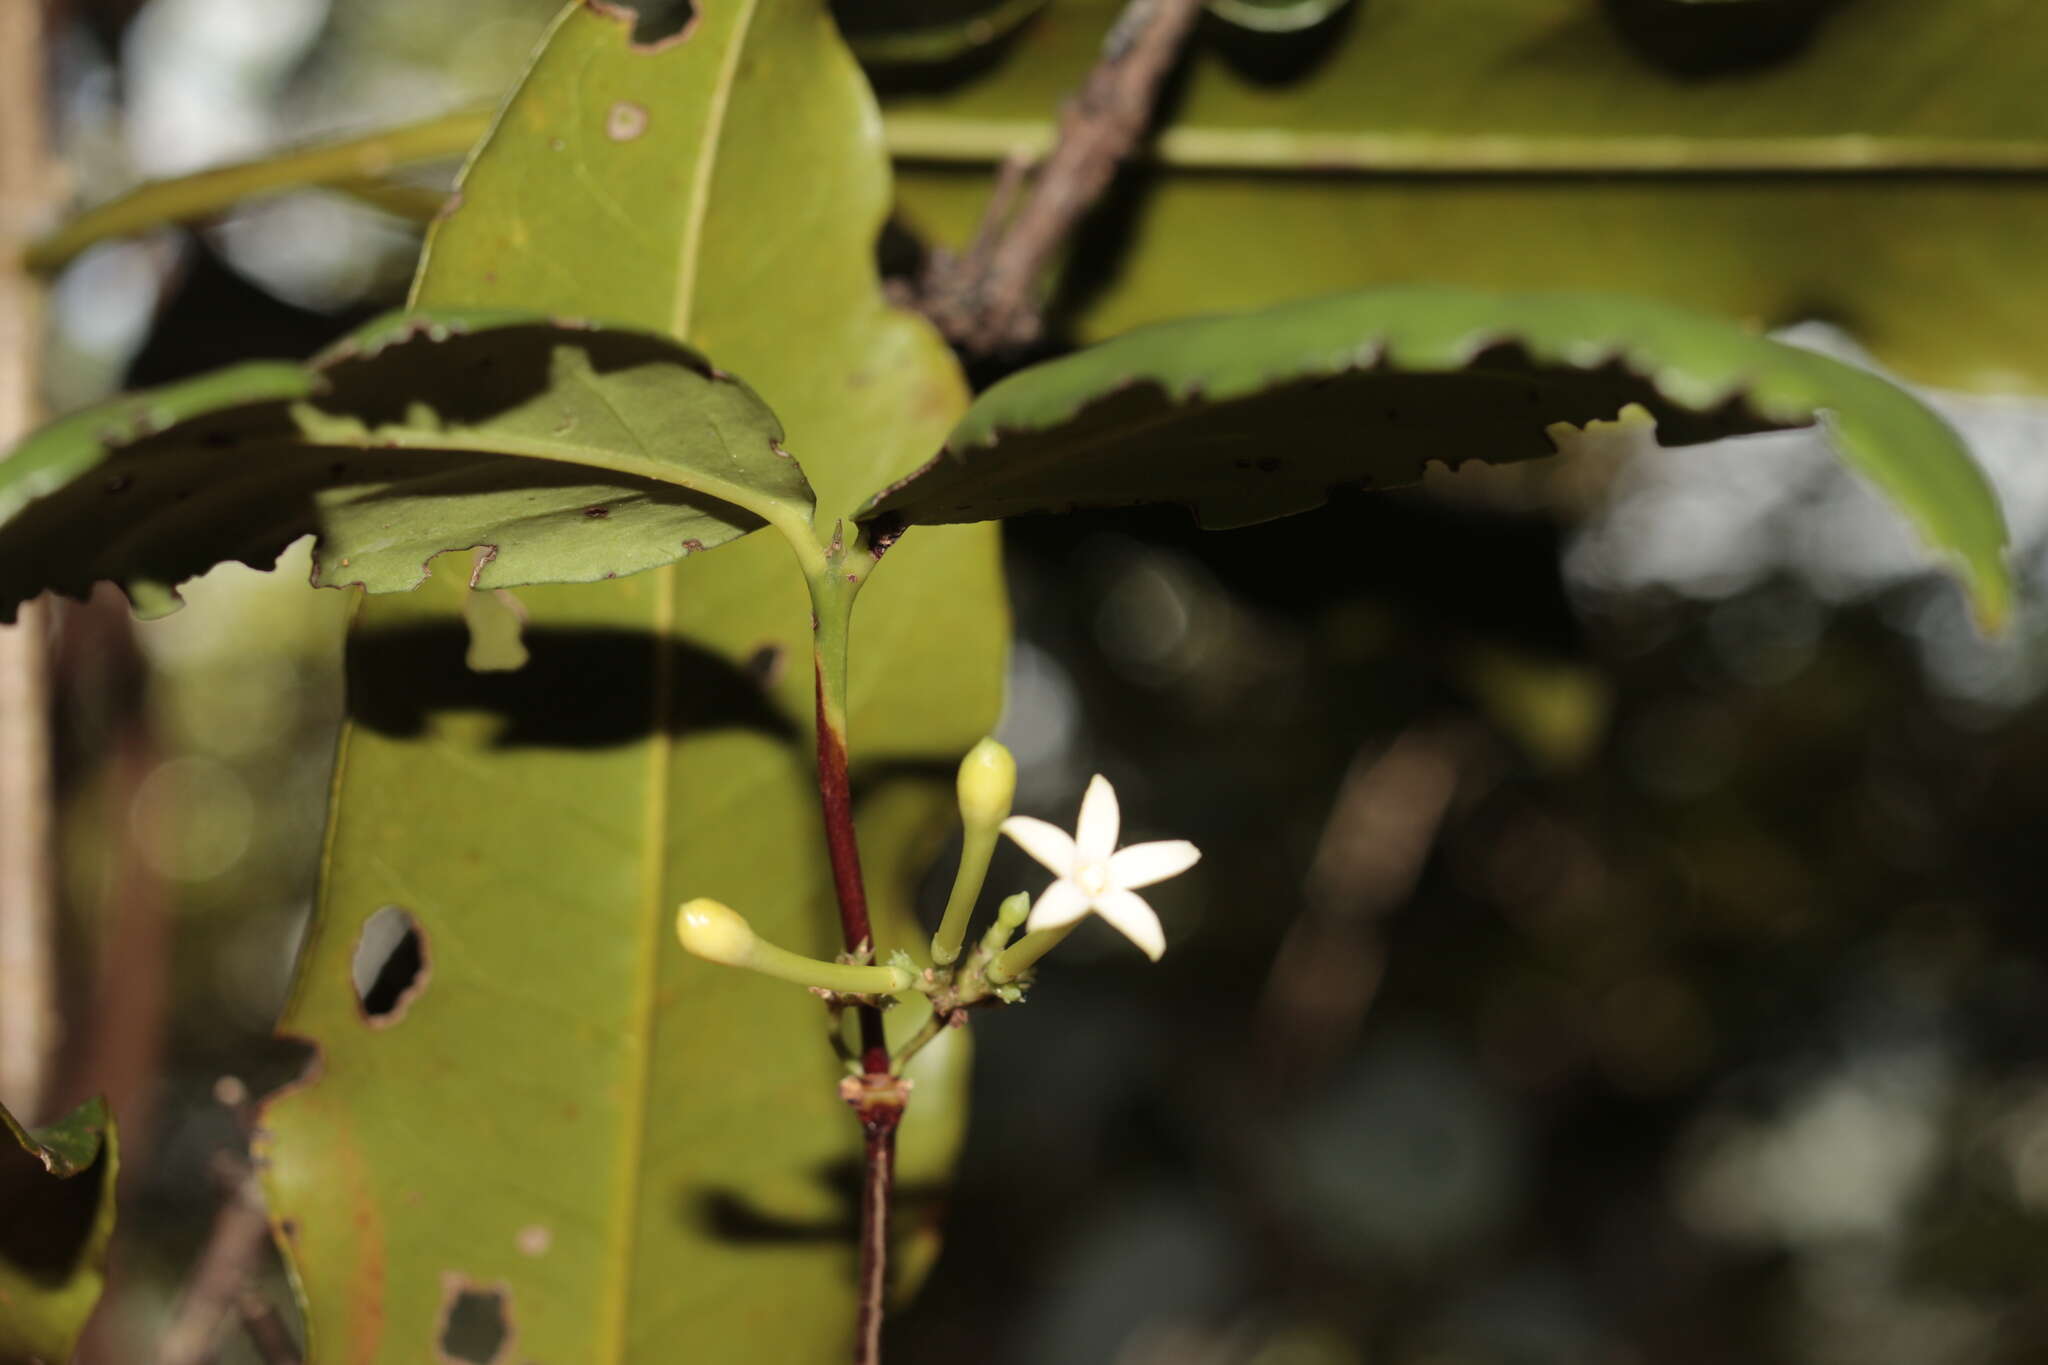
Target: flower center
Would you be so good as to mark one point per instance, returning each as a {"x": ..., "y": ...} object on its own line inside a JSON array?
[{"x": 1092, "y": 878}]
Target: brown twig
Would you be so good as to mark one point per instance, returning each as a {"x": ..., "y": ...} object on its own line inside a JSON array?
[
  {"x": 266, "y": 1331},
  {"x": 220, "y": 1284},
  {"x": 877, "y": 1189},
  {"x": 985, "y": 299},
  {"x": 241, "y": 1231},
  {"x": 879, "y": 1102}
]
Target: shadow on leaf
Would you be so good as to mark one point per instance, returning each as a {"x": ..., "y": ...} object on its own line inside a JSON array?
[
  {"x": 580, "y": 689},
  {"x": 728, "y": 1215}
]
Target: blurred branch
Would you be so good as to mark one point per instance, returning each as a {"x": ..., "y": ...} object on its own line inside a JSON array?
[
  {"x": 986, "y": 300},
  {"x": 241, "y": 1231},
  {"x": 1381, "y": 828},
  {"x": 114, "y": 1035},
  {"x": 27, "y": 870},
  {"x": 220, "y": 1285},
  {"x": 266, "y": 1331},
  {"x": 353, "y": 164}
]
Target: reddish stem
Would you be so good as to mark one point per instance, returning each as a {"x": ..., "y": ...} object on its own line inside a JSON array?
[{"x": 836, "y": 795}]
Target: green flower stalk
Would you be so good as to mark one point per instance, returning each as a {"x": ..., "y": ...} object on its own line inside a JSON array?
[
  {"x": 988, "y": 780},
  {"x": 718, "y": 933},
  {"x": 1010, "y": 917},
  {"x": 1021, "y": 956}
]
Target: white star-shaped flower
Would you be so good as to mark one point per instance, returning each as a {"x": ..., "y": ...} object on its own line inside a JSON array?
[{"x": 1094, "y": 874}]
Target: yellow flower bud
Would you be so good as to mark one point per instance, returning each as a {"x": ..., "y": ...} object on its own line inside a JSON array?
[
  {"x": 988, "y": 779},
  {"x": 716, "y": 932}
]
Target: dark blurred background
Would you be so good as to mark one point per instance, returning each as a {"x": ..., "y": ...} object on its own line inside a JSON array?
[{"x": 1618, "y": 938}]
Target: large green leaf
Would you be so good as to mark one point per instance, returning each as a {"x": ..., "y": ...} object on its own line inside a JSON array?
[
  {"x": 1889, "y": 173},
  {"x": 568, "y": 452},
  {"x": 1249, "y": 417},
  {"x": 57, "y": 1191},
  {"x": 639, "y": 1151}
]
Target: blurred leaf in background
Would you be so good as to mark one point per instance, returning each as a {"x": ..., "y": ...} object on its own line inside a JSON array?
[{"x": 1881, "y": 165}]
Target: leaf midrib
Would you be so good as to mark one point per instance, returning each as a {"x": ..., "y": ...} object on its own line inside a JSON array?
[{"x": 660, "y": 758}]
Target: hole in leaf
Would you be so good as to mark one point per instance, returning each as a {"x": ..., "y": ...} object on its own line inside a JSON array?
[
  {"x": 497, "y": 622},
  {"x": 655, "y": 22},
  {"x": 476, "y": 1326},
  {"x": 390, "y": 966}
]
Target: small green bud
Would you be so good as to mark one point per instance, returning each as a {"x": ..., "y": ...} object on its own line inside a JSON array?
[
  {"x": 716, "y": 932},
  {"x": 1009, "y": 916},
  {"x": 1014, "y": 910},
  {"x": 988, "y": 780}
]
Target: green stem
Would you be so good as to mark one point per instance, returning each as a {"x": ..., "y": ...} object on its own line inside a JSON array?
[
  {"x": 1019, "y": 958},
  {"x": 977, "y": 847},
  {"x": 1009, "y": 915},
  {"x": 932, "y": 1028},
  {"x": 840, "y": 977}
]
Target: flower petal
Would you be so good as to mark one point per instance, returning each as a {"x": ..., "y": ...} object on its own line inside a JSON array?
[
  {"x": 1062, "y": 903},
  {"x": 1133, "y": 919},
  {"x": 1095, "y": 832},
  {"x": 1050, "y": 844},
  {"x": 1144, "y": 864}
]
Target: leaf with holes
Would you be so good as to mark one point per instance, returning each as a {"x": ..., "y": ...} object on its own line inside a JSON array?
[
  {"x": 57, "y": 1187},
  {"x": 567, "y": 451},
  {"x": 1252, "y": 417},
  {"x": 636, "y": 1155}
]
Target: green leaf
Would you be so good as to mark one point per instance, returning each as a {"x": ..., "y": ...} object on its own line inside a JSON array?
[
  {"x": 1889, "y": 172},
  {"x": 568, "y": 451},
  {"x": 1252, "y": 417},
  {"x": 643, "y": 1153},
  {"x": 57, "y": 1187}
]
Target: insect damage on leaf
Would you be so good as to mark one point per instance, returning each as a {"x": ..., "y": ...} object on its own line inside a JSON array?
[
  {"x": 391, "y": 966},
  {"x": 476, "y": 1322},
  {"x": 657, "y": 24},
  {"x": 625, "y": 121}
]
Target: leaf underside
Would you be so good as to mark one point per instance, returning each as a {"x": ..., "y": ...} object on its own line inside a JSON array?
[
  {"x": 566, "y": 451},
  {"x": 57, "y": 1193},
  {"x": 1255, "y": 416},
  {"x": 643, "y": 1154}
]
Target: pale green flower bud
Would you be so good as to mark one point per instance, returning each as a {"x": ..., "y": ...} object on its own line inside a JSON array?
[
  {"x": 988, "y": 780},
  {"x": 716, "y": 932}
]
